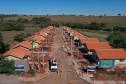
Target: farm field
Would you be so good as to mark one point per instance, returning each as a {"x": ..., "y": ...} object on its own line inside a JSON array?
[{"x": 110, "y": 21}]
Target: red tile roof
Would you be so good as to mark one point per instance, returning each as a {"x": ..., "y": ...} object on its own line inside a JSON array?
[
  {"x": 75, "y": 33},
  {"x": 18, "y": 52},
  {"x": 98, "y": 45},
  {"x": 36, "y": 40},
  {"x": 24, "y": 44},
  {"x": 111, "y": 53},
  {"x": 42, "y": 33},
  {"x": 81, "y": 36},
  {"x": 89, "y": 40}
]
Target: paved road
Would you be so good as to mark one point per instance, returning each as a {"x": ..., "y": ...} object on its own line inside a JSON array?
[
  {"x": 9, "y": 80},
  {"x": 67, "y": 74}
]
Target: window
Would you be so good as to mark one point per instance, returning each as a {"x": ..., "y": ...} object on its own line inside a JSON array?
[{"x": 121, "y": 60}]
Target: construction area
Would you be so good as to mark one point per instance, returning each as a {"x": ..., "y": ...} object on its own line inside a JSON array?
[{"x": 72, "y": 53}]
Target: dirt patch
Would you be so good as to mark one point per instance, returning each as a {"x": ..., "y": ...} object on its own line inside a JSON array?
[{"x": 27, "y": 75}]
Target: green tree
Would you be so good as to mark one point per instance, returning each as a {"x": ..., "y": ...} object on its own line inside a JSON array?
[
  {"x": 94, "y": 26},
  {"x": 6, "y": 46},
  {"x": 117, "y": 39},
  {"x": 27, "y": 35},
  {"x": 1, "y": 40},
  {"x": 7, "y": 67},
  {"x": 19, "y": 37}
]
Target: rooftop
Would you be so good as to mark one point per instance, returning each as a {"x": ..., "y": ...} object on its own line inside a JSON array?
[
  {"x": 98, "y": 45},
  {"x": 89, "y": 40},
  {"x": 18, "y": 52},
  {"x": 24, "y": 44},
  {"x": 111, "y": 53}
]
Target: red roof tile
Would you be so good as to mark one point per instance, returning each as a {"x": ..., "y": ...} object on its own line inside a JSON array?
[
  {"x": 24, "y": 44},
  {"x": 89, "y": 40},
  {"x": 111, "y": 53},
  {"x": 98, "y": 45},
  {"x": 18, "y": 52},
  {"x": 75, "y": 33},
  {"x": 81, "y": 36},
  {"x": 42, "y": 33}
]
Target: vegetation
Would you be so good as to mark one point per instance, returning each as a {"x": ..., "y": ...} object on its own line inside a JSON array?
[
  {"x": 7, "y": 67},
  {"x": 117, "y": 39},
  {"x": 5, "y": 16},
  {"x": 20, "y": 37},
  {"x": 116, "y": 28},
  {"x": 11, "y": 25},
  {"x": 31, "y": 71},
  {"x": 3, "y": 46}
]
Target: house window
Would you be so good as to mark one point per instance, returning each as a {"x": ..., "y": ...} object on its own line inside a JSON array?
[{"x": 121, "y": 60}]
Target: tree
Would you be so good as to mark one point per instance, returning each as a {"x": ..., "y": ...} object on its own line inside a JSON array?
[
  {"x": 94, "y": 26},
  {"x": 6, "y": 46},
  {"x": 27, "y": 35},
  {"x": 119, "y": 14},
  {"x": 117, "y": 39},
  {"x": 1, "y": 40},
  {"x": 19, "y": 37},
  {"x": 7, "y": 67}
]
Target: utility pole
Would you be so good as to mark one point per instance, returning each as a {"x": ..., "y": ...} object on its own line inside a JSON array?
[
  {"x": 46, "y": 41},
  {"x": 43, "y": 58},
  {"x": 32, "y": 56},
  {"x": 78, "y": 50},
  {"x": 71, "y": 43},
  {"x": 38, "y": 62}
]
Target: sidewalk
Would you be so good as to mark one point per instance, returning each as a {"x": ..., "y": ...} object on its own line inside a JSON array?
[{"x": 81, "y": 75}]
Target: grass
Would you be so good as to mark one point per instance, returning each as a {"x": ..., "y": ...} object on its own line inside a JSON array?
[{"x": 101, "y": 35}]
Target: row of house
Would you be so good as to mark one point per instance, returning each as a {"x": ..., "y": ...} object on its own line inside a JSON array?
[
  {"x": 99, "y": 53},
  {"x": 20, "y": 52}
]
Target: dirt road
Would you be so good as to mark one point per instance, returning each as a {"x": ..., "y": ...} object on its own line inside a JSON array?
[{"x": 67, "y": 74}]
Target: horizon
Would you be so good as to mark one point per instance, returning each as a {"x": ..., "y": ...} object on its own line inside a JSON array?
[{"x": 66, "y": 7}]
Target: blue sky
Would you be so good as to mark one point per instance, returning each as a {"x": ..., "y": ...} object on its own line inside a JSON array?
[{"x": 54, "y": 7}]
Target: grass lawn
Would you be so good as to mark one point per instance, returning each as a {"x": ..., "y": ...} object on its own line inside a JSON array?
[{"x": 101, "y": 35}]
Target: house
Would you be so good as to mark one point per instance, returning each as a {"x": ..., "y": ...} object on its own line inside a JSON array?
[
  {"x": 84, "y": 40},
  {"x": 21, "y": 65},
  {"x": 75, "y": 35},
  {"x": 42, "y": 34},
  {"x": 24, "y": 44},
  {"x": 90, "y": 46},
  {"x": 17, "y": 54},
  {"x": 36, "y": 42},
  {"x": 109, "y": 58}
]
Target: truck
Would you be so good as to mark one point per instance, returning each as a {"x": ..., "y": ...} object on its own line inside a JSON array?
[{"x": 53, "y": 65}]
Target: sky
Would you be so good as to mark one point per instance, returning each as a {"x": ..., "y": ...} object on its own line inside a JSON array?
[{"x": 55, "y": 7}]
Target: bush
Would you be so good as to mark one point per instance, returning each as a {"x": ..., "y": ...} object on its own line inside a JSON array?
[
  {"x": 27, "y": 35},
  {"x": 19, "y": 37},
  {"x": 12, "y": 25},
  {"x": 7, "y": 67},
  {"x": 116, "y": 28},
  {"x": 108, "y": 29},
  {"x": 117, "y": 39},
  {"x": 95, "y": 26},
  {"x": 40, "y": 20},
  {"x": 31, "y": 72},
  {"x": 6, "y": 46},
  {"x": 111, "y": 73}
]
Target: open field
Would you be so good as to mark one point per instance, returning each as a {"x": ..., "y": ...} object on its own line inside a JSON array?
[
  {"x": 8, "y": 35},
  {"x": 101, "y": 35},
  {"x": 110, "y": 21}
]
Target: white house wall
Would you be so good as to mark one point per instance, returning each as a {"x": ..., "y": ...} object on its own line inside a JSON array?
[
  {"x": 118, "y": 63},
  {"x": 12, "y": 57}
]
